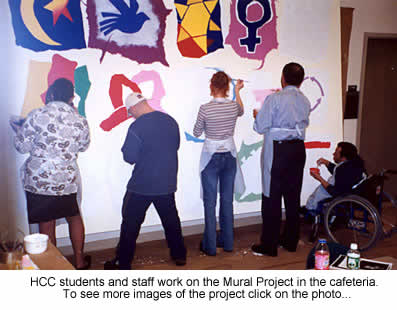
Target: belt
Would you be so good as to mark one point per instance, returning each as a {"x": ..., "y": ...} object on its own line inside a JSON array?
[{"x": 288, "y": 141}]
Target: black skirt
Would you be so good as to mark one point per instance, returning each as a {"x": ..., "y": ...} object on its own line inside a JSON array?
[{"x": 44, "y": 208}]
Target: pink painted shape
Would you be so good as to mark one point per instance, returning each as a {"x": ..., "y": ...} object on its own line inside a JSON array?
[
  {"x": 261, "y": 94},
  {"x": 158, "y": 87},
  {"x": 267, "y": 32},
  {"x": 254, "y": 12},
  {"x": 61, "y": 68}
]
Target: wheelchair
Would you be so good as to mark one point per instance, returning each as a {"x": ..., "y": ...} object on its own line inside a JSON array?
[{"x": 357, "y": 216}]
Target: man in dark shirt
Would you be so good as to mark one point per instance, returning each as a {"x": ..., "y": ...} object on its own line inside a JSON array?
[
  {"x": 151, "y": 145},
  {"x": 347, "y": 171}
]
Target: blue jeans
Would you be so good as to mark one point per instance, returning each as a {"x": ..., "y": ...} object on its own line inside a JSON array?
[{"x": 222, "y": 167}]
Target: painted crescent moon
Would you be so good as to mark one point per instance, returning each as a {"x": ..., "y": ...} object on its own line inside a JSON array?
[{"x": 33, "y": 25}]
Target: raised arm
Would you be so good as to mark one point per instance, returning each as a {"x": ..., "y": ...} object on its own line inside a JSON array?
[{"x": 239, "y": 86}]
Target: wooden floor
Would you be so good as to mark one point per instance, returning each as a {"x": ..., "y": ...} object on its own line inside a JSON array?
[{"x": 154, "y": 255}]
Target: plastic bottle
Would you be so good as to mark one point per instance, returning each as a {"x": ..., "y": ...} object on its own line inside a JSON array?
[
  {"x": 353, "y": 257},
  {"x": 321, "y": 255}
]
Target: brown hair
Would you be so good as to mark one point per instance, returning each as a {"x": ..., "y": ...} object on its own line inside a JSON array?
[{"x": 220, "y": 83}]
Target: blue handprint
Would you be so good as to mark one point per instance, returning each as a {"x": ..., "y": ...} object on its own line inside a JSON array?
[{"x": 127, "y": 21}]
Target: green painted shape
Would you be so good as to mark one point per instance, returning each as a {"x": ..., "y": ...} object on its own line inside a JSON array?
[
  {"x": 82, "y": 86},
  {"x": 249, "y": 198},
  {"x": 246, "y": 151}
]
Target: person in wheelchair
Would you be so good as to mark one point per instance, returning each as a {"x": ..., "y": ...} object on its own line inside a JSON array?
[{"x": 347, "y": 171}]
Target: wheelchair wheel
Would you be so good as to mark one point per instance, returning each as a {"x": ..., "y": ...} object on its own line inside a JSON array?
[{"x": 353, "y": 219}]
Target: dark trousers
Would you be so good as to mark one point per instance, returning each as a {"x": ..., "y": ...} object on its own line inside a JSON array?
[
  {"x": 286, "y": 182},
  {"x": 133, "y": 213}
]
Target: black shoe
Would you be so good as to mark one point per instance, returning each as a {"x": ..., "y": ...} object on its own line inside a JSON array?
[
  {"x": 287, "y": 248},
  {"x": 204, "y": 251},
  {"x": 87, "y": 263},
  {"x": 179, "y": 261},
  {"x": 260, "y": 250},
  {"x": 302, "y": 210},
  {"x": 111, "y": 264}
]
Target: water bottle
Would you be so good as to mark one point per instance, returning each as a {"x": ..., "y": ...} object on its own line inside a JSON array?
[
  {"x": 321, "y": 255},
  {"x": 353, "y": 257}
]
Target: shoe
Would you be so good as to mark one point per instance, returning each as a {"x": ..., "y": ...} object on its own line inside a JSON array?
[
  {"x": 302, "y": 210},
  {"x": 283, "y": 245},
  {"x": 179, "y": 261},
  {"x": 204, "y": 251},
  {"x": 260, "y": 250},
  {"x": 87, "y": 263},
  {"x": 111, "y": 264}
]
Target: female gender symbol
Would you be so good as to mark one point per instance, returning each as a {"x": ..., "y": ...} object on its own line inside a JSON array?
[{"x": 252, "y": 27}]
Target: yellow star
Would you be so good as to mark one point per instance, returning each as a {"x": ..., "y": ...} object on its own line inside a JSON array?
[{"x": 58, "y": 8}]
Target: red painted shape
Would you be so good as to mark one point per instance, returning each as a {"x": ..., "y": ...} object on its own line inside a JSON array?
[
  {"x": 317, "y": 145},
  {"x": 189, "y": 48},
  {"x": 61, "y": 68},
  {"x": 116, "y": 95}
]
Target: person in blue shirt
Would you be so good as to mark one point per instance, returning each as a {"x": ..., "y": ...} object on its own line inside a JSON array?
[
  {"x": 151, "y": 145},
  {"x": 282, "y": 120}
]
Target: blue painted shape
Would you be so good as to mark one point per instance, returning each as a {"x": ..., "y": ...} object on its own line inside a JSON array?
[
  {"x": 68, "y": 34},
  {"x": 189, "y": 137},
  {"x": 128, "y": 21}
]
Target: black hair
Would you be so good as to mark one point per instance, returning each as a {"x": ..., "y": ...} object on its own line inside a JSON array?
[
  {"x": 348, "y": 150},
  {"x": 61, "y": 90},
  {"x": 293, "y": 74}
]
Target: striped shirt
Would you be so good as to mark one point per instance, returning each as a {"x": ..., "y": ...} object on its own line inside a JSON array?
[{"x": 217, "y": 119}]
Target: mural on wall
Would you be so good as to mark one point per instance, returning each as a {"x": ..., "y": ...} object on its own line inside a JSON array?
[
  {"x": 42, "y": 25},
  {"x": 120, "y": 114},
  {"x": 199, "y": 27},
  {"x": 128, "y": 37},
  {"x": 134, "y": 29},
  {"x": 158, "y": 88},
  {"x": 61, "y": 68},
  {"x": 43, "y": 74},
  {"x": 253, "y": 28},
  {"x": 82, "y": 85}
]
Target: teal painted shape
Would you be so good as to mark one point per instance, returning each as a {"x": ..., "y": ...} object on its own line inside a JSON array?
[
  {"x": 82, "y": 86},
  {"x": 249, "y": 198},
  {"x": 246, "y": 151}
]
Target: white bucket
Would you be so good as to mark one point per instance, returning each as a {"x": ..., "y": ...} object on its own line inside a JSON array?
[{"x": 35, "y": 243}]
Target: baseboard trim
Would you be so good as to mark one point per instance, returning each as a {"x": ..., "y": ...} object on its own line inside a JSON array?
[{"x": 108, "y": 240}]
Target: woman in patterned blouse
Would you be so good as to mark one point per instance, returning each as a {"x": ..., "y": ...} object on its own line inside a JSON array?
[{"x": 53, "y": 135}]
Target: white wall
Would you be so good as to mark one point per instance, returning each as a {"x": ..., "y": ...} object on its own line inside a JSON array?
[
  {"x": 12, "y": 212},
  {"x": 368, "y": 16},
  {"x": 104, "y": 173}
]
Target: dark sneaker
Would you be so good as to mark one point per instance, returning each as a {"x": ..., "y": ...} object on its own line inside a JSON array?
[
  {"x": 111, "y": 264},
  {"x": 260, "y": 250}
]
